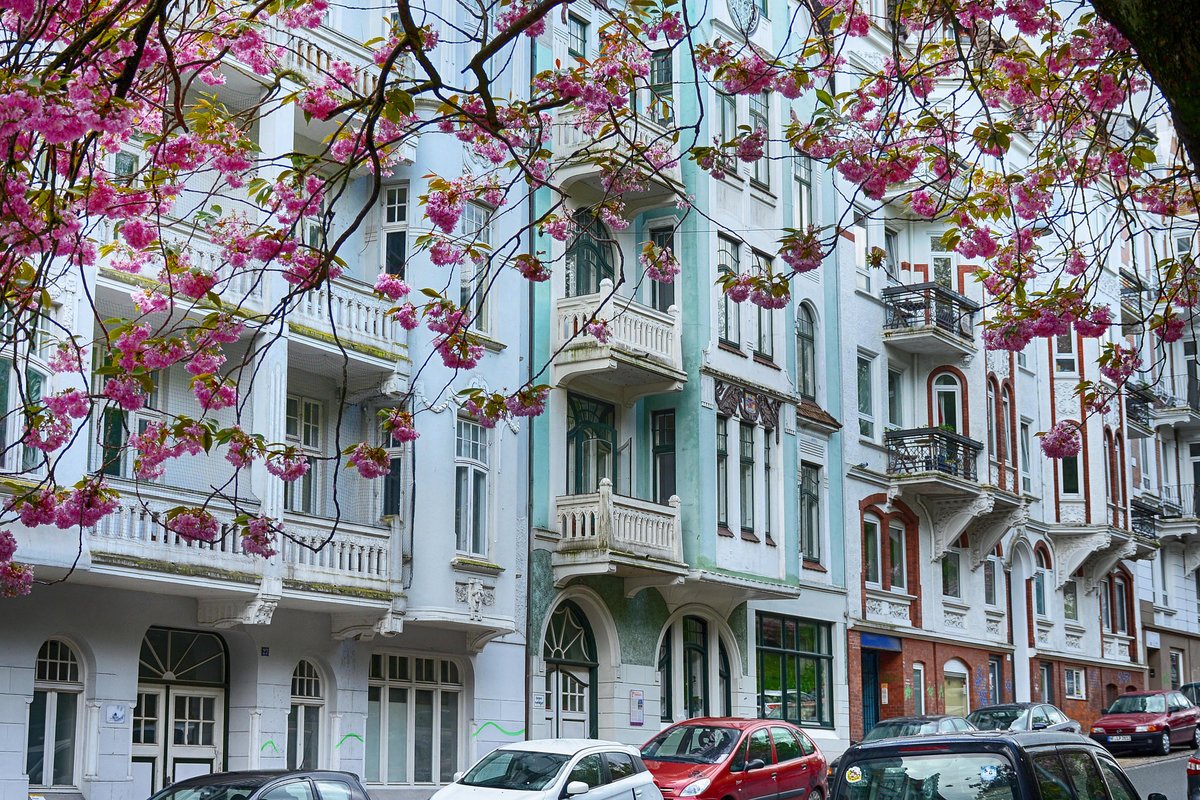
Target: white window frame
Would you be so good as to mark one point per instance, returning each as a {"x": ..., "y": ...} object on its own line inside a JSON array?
[
  {"x": 867, "y": 415},
  {"x": 1026, "y": 466},
  {"x": 53, "y": 689},
  {"x": 1074, "y": 587},
  {"x": 577, "y": 36},
  {"x": 918, "y": 668},
  {"x": 1066, "y": 359},
  {"x": 394, "y": 203},
  {"x": 729, "y": 316},
  {"x": 870, "y": 521},
  {"x": 804, "y": 200},
  {"x": 764, "y": 334},
  {"x": 303, "y": 704},
  {"x": 947, "y": 383},
  {"x": 473, "y": 278},
  {"x": 956, "y": 554},
  {"x": 895, "y": 416},
  {"x": 902, "y": 586},
  {"x": 293, "y": 490},
  {"x": 1062, "y": 476},
  {"x": 1074, "y": 683},
  {"x": 1120, "y": 602},
  {"x": 760, "y": 112},
  {"x": 862, "y": 241},
  {"x": 1106, "y": 616},
  {"x": 412, "y": 684},
  {"x": 939, "y": 256},
  {"x": 472, "y": 456},
  {"x": 993, "y": 567}
]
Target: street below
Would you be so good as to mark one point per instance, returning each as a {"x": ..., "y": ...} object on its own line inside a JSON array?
[{"x": 1167, "y": 775}]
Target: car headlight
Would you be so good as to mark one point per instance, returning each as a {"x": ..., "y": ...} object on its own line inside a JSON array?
[
  {"x": 695, "y": 787},
  {"x": 1097, "y": 729},
  {"x": 1150, "y": 728}
]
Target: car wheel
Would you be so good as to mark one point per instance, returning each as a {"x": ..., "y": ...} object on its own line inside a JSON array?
[
  {"x": 1196, "y": 738},
  {"x": 1164, "y": 744}
]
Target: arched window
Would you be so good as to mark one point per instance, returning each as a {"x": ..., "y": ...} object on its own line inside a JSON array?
[
  {"x": 591, "y": 444},
  {"x": 1041, "y": 577},
  {"x": 304, "y": 718},
  {"x": 695, "y": 666},
  {"x": 704, "y": 683},
  {"x": 956, "y": 683},
  {"x": 947, "y": 403},
  {"x": 571, "y": 663},
  {"x": 993, "y": 452},
  {"x": 806, "y": 353},
  {"x": 590, "y": 256},
  {"x": 871, "y": 551},
  {"x": 52, "y": 745}
]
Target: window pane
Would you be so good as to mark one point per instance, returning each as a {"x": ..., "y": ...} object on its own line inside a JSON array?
[
  {"x": 397, "y": 736},
  {"x": 293, "y": 741},
  {"x": 871, "y": 550},
  {"x": 448, "y": 756},
  {"x": 312, "y": 736},
  {"x": 423, "y": 737},
  {"x": 479, "y": 514},
  {"x": 896, "y": 556},
  {"x": 35, "y": 751},
  {"x": 64, "y": 738},
  {"x": 374, "y": 720}
]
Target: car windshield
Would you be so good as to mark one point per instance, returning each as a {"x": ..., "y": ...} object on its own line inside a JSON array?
[
  {"x": 236, "y": 790},
  {"x": 1139, "y": 704},
  {"x": 522, "y": 770},
  {"x": 700, "y": 744},
  {"x": 995, "y": 719},
  {"x": 957, "y": 776},
  {"x": 891, "y": 730}
]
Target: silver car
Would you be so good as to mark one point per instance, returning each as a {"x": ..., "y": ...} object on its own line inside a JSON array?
[{"x": 550, "y": 769}]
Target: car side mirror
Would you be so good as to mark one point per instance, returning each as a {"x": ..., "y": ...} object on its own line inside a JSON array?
[
  {"x": 577, "y": 787},
  {"x": 458, "y": 776},
  {"x": 1156, "y": 796},
  {"x": 1040, "y": 726},
  {"x": 756, "y": 763}
]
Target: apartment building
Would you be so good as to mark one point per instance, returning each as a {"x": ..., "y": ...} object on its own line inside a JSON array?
[
  {"x": 383, "y": 637},
  {"x": 685, "y": 561}
]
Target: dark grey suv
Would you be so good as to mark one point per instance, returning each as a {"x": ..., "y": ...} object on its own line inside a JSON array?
[
  {"x": 984, "y": 765},
  {"x": 267, "y": 785}
]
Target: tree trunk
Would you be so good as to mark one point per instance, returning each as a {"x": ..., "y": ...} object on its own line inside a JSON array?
[{"x": 1166, "y": 35}]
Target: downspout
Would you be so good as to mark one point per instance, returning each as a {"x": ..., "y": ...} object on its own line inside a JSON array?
[{"x": 529, "y": 354}]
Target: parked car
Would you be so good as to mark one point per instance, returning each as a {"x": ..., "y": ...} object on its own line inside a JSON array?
[
  {"x": 552, "y": 769},
  {"x": 920, "y": 725},
  {"x": 1152, "y": 720},
  {"x": 716, "y": 758},
  {"x": 983, "y": 765},
  {"x": 1192, "y": 692},
  {"x": 267, "y": 785},
  {"x": 1022, "y": 717}
]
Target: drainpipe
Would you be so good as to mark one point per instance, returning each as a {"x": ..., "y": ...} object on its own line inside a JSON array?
[{"x": 529, "y": 355}]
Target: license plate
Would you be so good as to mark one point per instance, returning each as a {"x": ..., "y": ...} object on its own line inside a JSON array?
[{"x": 1119, "y": 738}]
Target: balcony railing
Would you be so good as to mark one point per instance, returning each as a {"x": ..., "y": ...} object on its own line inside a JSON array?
[
  {"x": 924, "y": 305},
  {"x": 1138, "y": 404},
  {"x": 357, "y": 555},
  {"x": 1178, "y": 391},
  {"x": 1180, "y": 501},
  {"x": 605, "y": 522},
  {"x": 922, "y": 450},
  {"x": 632, "y": 327},
  {"x": 351, "y": 311}
]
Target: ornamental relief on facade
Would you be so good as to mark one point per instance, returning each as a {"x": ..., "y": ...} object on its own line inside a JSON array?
[{"x": 746, "y": 405}]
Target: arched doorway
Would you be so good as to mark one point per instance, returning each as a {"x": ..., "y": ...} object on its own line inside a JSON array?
[
  {"x": 569, "y": 651},
  {"x": 956, "y": 683},
  {"x": 179, "y": 718}
]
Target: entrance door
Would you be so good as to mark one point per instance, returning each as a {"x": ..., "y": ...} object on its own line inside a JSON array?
[
  {"x": 870, "y": 690},
  {"x": 148, "y": 732},
  {"x": 954, "y": 685},
  {"x": 568, "y": 705},
  {"x": 196, "y": 726}
]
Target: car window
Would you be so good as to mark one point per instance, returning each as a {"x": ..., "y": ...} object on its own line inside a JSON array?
[
  {"x": 1118, "y": 784},
  {"x": 1084, "y": 775},
  {"x": 334, "y": 790},
  {"x": 589, "y": 770},
  {"x": 961, "y": 724},
  {"x": 929, "y": 776},
  {"x": 1051, "y": 777},
  {"x": 1040, "y": 716},
  {"x": 806, "y": 745},
  {"x": 1191, "y": 691},
  {"x": 946, "y": 726},
  {"x": 786, "y": 746},
  {"x": 1182, "y": 701},
  {"x": 292, "y": 790},
  {"x": 760, "y": 747},
  {"x": 1056, "y": 716},
  {"x": 620, "y": 765}
]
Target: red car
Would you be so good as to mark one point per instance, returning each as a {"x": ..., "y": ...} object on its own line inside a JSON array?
[
  {"x": 736, "y": 759},
  {"x": 1154, "y": 720}
]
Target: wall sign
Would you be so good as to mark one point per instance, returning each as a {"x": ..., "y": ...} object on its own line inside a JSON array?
[{"x": 637, "y": 707}]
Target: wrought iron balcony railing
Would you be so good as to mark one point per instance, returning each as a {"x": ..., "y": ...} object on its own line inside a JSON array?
[
  {"x": 923, "y": 305},
  {"x": 921, "y": 450}
]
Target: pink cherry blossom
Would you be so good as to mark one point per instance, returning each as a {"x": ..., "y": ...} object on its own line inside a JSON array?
[
  {"x": 1062, "y": 440},
  {"x": 371, "y": 462}
]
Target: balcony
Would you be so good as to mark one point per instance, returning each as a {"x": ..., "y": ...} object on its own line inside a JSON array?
[
  {"x": 1139, "y": 407},
  {"x": 641, "y": 357},
  {"x": 346, "y": 314},
  {"x": 580, "y": 153},
  {"x": 933, "y": 460},
  {"x": 1177, "y": 402},
  {"x": 602, "y": 533},
  {"x": 1177, "y": 516},
  {"x": 928, "y": 318}
]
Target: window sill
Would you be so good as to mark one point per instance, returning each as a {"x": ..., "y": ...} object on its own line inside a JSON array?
[
  {"x": 813, "y": 566},
  {"x": 479, "y": 566},
  {"x": 748, "y": 536},
  {"x": 766, "y": 361},
  {"x": 763, "y": 191},
  {"x": 956, "y": 603},
  {"x": 729, "y": 347},
  {"x": 1073, "y": 626},
  {"x": 770, "y": 540},
  {"x": 1165, "y": 610},
  {"x": 869, "y": 296},
  {"x": 487, "y": 342},
  {"x": 724, "y": 531}
]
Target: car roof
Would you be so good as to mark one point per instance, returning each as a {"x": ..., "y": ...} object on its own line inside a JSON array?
[
  {"x": 741, "y": 723},
  {"x": 998, "y": 706},
  {"x": 1020, "y": 739},
  {"x": 1146, "y": 693},
  {"x": 566, "y": 747},
  {"x": 255, "y": 777},
  {"x": 918, "y": 718}
]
